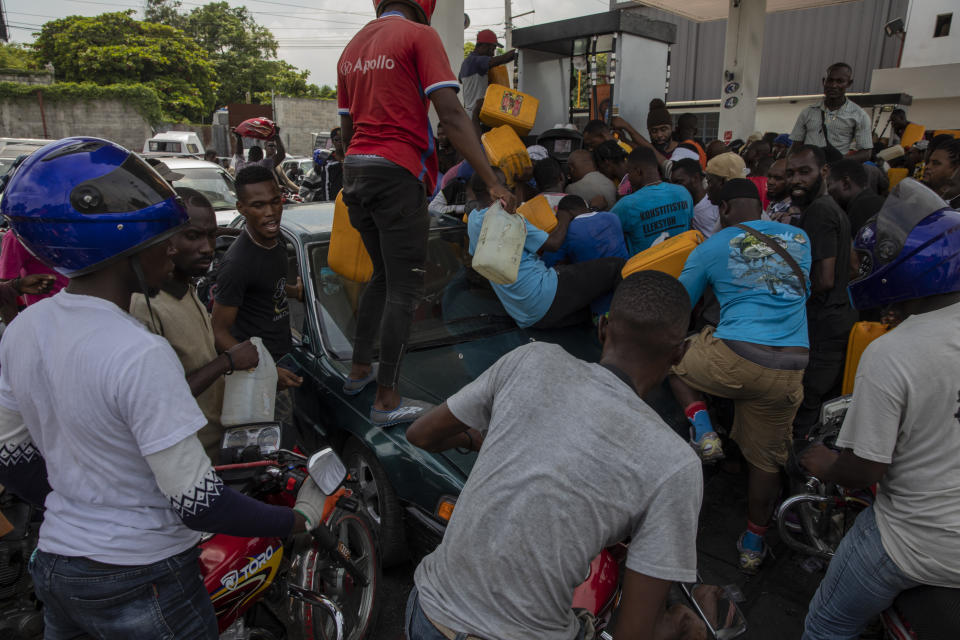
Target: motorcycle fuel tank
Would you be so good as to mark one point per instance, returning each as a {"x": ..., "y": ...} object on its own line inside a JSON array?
[{"x": 236, "y": 570}]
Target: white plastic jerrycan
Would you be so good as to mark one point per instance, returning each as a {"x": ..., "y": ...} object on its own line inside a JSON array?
[
  {"x": 249, "y": 396},
  {"x": 498, "y": 250}
]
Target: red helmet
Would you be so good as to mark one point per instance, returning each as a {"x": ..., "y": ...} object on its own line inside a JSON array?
[
  {"x": 262, "y": 128},
  {"x": 424, "y": 7}
]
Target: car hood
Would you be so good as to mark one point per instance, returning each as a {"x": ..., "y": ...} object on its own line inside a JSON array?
[{"x": 436, "y": 373}]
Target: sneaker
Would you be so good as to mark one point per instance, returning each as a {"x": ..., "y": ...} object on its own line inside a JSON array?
[
  {"x": 408, "y": 411},
  {"x": 353, "y": 387},
  {"x": 708, "y": 447},
  {"x": 750, "y": 560}
]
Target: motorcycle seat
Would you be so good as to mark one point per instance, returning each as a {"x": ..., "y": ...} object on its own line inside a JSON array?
[{"x": 932, "y": 613}]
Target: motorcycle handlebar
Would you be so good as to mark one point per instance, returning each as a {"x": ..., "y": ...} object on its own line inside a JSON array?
[{"x": 328, "y": 541}]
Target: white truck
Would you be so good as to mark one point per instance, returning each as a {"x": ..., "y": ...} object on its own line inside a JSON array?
[{"x": 177, "y": 143}]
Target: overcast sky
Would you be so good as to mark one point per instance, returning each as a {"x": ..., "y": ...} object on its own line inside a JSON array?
[{"x": 311, "y": 33}]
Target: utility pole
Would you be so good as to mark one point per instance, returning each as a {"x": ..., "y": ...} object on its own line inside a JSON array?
[{"x": 508, "y": 22}]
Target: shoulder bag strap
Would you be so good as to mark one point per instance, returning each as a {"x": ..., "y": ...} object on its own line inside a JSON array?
[
  {"x": 823, "y": 128},
  {"x": 781, "y": 251}
]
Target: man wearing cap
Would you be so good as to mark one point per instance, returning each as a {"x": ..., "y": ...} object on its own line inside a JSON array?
[
  {"x": 473, "y": 71},
  {"x": 388, "y": 76},
  {"x": 757, "y": 353},
  {"x": 720, "y": 169}
]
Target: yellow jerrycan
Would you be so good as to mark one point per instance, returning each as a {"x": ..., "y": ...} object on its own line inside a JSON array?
[
  {"x": 347, "y": 256},
  {"x": 669, "y": 256},
  {"x": 504, "y": 106}
]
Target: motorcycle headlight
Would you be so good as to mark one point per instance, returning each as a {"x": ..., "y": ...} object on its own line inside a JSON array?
[
  {"x": 833, "y": 411},
  {"x": 266, "y": 437}
]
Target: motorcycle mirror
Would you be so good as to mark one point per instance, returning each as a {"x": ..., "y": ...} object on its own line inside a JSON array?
[{"x": 327, "y": 470}]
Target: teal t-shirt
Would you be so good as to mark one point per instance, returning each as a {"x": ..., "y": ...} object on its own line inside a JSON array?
[
  {"x": 651, "y": 211},
  {"x": 761, "y": 299},
  {"x": 529, "y": 298}
]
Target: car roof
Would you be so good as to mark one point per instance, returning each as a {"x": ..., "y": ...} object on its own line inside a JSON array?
[
  {"x": 308, "y": 218},
  {"x": 176, "y": 136}
]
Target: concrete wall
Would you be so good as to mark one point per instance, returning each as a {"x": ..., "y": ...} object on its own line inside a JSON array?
[
  {"x": 546, "y": 77},
  {"x": 21, "y": 118},
  {"x": 300, "y": 118},
  {"x": 641, "y": 77},
  {"x": 920, "y": 47},
  {"x": 26, "y": 77}
]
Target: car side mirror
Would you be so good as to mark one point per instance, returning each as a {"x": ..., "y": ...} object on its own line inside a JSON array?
[{"x": 327, "y": 470}]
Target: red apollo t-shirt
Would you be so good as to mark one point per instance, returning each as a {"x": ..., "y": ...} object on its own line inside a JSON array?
[{"x": 384, "y": 79}]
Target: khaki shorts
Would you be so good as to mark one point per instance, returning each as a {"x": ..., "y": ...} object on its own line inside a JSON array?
[{"x": 765, "y": 400}]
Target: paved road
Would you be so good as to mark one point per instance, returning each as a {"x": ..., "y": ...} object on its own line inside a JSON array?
[{"x": 775, "y": 601}]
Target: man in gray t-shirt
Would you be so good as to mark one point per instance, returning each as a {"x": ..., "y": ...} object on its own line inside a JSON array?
[{"x": 572, "y": 460}]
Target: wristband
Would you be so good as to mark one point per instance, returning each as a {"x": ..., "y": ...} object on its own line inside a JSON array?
[{"x": 230, "y": 360}]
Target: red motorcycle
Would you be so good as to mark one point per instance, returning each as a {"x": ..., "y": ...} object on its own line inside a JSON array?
[
  {"x": 600, "y": 595},
  {"x": 321, "y": 586}
]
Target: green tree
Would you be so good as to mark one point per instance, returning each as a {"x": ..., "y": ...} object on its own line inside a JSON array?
[
  {"x": 468, "y": 48},
  {"x": 16, "y": 56},
  {"x": 114, "y": 48},
  {"x": 242, "y": 51}
]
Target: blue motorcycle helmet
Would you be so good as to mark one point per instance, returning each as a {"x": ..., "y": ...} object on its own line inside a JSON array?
[
  {"x": 909, "y": 250},
  {"x": 320, "y": 157},
  {"x": 78, "y": 204}
]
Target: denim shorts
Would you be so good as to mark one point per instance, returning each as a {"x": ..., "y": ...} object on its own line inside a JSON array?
[{"x": 165, "y": 600}]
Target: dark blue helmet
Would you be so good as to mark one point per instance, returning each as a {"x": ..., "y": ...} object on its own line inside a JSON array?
[
  {"x": 320, "y": 157},
  {"x": 79, "y": 203},
  {"x": 909, "y": 250}
]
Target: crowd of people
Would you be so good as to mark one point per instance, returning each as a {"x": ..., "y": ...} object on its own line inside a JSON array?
[{"x": 800, "y": 236}]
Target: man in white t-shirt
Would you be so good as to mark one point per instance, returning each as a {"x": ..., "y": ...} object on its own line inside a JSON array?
[
  {"x": 573, "y": 460},
  {"x": 901, "y": 431},
  {"x": 100, "y": 407}
]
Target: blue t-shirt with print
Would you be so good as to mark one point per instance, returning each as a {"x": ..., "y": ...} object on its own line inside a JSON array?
[
  {"x": 591, "y": 236},
  {"x": 761, "y": 298},
  {"x": 529, "y": 298},
  {"x": 654, "y": 210}
]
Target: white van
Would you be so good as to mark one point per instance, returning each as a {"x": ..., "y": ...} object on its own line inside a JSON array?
[{"x": 178, "y": 143}]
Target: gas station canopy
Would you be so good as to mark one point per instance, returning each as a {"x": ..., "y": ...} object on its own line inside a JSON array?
[
  {"x": 559, "y": 37},
  {"x": 707, "y": 10}
]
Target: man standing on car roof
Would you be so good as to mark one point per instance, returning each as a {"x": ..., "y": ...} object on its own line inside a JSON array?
[{"x": 387, "y": 77}]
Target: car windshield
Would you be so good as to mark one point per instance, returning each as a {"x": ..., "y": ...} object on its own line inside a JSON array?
[
  {"x": 458, "y": 304},
  {"x": 213, "y": 183}
]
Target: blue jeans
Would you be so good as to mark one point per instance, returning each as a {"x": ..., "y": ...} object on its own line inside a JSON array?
[
  {"x": 165, "y": 600},
  {"x": 861, "y": 582},
  {"x": 419, "y": 627}
]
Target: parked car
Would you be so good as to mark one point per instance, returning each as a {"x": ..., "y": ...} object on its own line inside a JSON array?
[
  {"x": 459, "y": 330},
  {"x": 12, "y": 148},
  {"x": 211, "y": 180}
]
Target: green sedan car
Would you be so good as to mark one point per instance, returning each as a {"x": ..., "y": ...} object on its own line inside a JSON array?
[{"x": 459, "y": 330}]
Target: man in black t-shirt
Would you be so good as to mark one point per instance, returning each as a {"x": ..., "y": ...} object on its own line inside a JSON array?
[
  {"x": 252, "y": 288},
  {"x": 829, "y": 314},
  {"x": 847, "y": 185}
]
